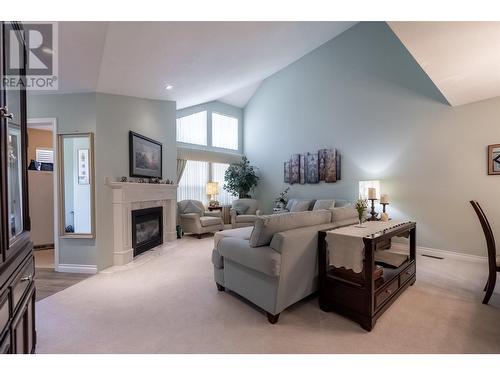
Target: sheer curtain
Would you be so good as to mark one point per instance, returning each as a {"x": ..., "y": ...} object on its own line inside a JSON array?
[
  {"x": 224, "y": 131},
  {"x": 194, "y": 182},
  {"x": 218, "y": 170}
]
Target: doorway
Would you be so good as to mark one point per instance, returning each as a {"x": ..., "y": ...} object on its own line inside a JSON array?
[{"x": 42, "y": 191}]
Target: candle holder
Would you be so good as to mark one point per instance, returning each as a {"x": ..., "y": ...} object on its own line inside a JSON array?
[
  {"x": 383, "y": 206},
  {"x": 373, "y": 213}
]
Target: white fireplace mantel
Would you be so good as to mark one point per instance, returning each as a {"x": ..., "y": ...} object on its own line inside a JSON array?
[{"x": 130, "y": 196}]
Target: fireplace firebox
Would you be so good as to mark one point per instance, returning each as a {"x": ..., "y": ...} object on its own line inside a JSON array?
[{"x": 147, "y": 229}]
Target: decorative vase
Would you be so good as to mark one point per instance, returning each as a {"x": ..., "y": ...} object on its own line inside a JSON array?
[{"x": 360, "y": 221}]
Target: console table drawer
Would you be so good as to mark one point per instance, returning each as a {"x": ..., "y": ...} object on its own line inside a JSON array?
[
  {"x": 386, "y": 293},
  {"x": 22, "y": 282},
  {"x": 4, "y": 311},
  {"x": 407, "y": 274}
]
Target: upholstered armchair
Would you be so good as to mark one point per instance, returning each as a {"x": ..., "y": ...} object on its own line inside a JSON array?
[
  {"x": 195, "y": 219},
  {"x": 244, "y": 211}
]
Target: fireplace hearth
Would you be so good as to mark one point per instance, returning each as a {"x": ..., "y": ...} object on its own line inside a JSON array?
[{"x": 147, "y": 229}]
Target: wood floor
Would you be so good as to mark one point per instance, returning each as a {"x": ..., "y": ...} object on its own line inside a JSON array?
[{"x": 48, "y": 281}]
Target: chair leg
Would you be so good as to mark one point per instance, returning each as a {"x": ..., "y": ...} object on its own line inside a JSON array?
[
  {"x": 220, "y": 288},
  {"x": 273, "y": 319},
  {"x": 489, "y": 290},
  {"x": 199, "y": 236}
]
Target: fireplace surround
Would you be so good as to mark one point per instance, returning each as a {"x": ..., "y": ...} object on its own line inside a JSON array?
[{"x": 130, "y": 196}]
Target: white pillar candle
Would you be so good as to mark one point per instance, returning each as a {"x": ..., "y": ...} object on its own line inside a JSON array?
[
  {"x": 384, "y": 198},
  {"x": 372, "y": 193},
  {"x": 384, "y": 216}
]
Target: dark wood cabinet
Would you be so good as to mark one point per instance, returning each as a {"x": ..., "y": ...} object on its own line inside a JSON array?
[
  {"x": 365, "y": 298},
  {"x": 17, "y": 271}
]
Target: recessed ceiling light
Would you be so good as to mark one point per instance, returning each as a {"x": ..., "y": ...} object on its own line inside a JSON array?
[
  {"x": 47, "y": 50},
  {"x": 169, "y": 87}
]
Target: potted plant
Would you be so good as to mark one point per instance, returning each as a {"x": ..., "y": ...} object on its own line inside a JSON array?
[
  {"x": 361, "y": 206},
  {"x": 282, "y": 199},
  {"x": 240, "y": 178}
]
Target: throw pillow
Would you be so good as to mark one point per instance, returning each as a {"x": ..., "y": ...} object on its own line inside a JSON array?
[
  {"x": 192, "y": 208},
  {"x": 240, "y": 208},
  {"x": 300, "y": 206},
  {"x": 324, "y": 204}
]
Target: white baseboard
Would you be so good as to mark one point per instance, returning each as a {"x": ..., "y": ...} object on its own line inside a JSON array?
[
  {"x": 77, "y": 268},
  {"x": 442, "y": 253}
]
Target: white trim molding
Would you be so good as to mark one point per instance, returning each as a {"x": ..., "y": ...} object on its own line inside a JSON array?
[
  {"x": 77, "y": 268},
  {"x": 442, "y": 253}
]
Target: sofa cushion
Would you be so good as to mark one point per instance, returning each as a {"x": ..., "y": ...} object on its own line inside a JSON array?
[
  {"x": 207, "y": 221},
  {"x": 240, "y": 208},
  {"x": 292, "y": 201},
  {"x": 243, "y": 233},
  {"x": 191, "y": 208},
  {"x": 342, "y": 216},
  {"x": 342, "y": 203},
  {"x": 324, "y": 204},
  {"x": 300, "y": 206},
  {"x": 262, "y": 259},
  {"x": 245, "y": 218},
  {"x": 266, "y": 226}
]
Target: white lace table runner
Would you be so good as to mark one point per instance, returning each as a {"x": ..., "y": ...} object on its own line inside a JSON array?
[{"x": 345, "y": 245}]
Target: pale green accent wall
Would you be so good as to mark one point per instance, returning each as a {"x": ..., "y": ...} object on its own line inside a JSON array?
[
  {"x": 116, "y": 116},
  {"x": 74, "y": 113},
  {"x": 109, "y": 117},
  {"x": 363, "y": 93}
]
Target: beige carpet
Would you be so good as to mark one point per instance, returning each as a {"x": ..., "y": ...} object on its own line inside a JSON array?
[{"x": 167, "y": 302}]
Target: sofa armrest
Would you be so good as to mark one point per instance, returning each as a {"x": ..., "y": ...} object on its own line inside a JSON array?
[
  {"x": 257, "y": 213},
  {"x": 233, "y": 214}
]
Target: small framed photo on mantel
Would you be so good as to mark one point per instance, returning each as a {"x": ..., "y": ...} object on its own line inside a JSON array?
[
  {"x": 145, "y": 156},
  {"x": 494, "y": 159}
]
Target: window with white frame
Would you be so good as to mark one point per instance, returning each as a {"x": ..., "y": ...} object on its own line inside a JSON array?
[
  {"x": 218, "y": 171},
  {"x": 193, "y": 129},
  {"x": 44, "y": 155},
  {"x": 224, "y": 131},
  {"x": 193, "y": 182}
]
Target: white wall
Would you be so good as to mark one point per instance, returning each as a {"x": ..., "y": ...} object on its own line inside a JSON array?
[{"x": 364, "y": 94}]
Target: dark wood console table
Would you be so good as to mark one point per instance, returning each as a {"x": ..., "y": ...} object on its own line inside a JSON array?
[{"x": 364, "y": 299}]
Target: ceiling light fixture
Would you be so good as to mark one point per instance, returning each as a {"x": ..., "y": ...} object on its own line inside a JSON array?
[{"x": 169, "y": 87}]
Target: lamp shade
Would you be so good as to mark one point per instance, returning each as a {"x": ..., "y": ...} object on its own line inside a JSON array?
[
  {"x": 366, "y": 189},
  {"x": 212, "y": 188}
]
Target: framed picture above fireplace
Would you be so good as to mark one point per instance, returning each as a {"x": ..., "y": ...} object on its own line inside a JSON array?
[{"x": 145, "y": 156}]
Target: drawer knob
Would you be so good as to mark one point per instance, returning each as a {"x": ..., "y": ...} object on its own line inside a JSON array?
[
  {"x": 26, "y": 278},
  {"x": 388, "y": 291}
]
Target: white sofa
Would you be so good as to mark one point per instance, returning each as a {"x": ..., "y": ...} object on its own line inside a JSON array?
[{"x": 274, "y": 264}]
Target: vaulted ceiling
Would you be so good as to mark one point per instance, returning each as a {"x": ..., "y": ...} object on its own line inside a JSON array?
[
  {"x": 461, "y": 58},
  {"x": 227, "y": 61},
  {"x": 203, "y": 61}
]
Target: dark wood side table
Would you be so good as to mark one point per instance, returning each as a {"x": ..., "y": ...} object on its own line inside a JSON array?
[
  {"x": 215, "y": 208},
  {"x": 364, "y": 299}
]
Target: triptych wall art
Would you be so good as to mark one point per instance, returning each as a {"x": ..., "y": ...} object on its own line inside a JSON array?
[{"x": 311, "y": 168}]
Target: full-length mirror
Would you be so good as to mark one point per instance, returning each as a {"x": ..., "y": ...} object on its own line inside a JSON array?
[{"x": 76, "y": 163}]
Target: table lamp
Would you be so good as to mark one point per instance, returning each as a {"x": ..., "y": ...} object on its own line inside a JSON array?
[{"x": 212, "y": 191}]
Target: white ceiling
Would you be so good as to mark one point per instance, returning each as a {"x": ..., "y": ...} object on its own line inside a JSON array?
[
  {"x": 461, "y": 58},
  {"x": 204, "y": 61}
]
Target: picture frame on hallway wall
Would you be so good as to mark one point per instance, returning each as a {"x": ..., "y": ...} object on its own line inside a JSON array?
[
  {"x": 494, "y": 159},
  {"x": 303, "y": 169},
  {"x": 312, "y": 168},
  {"x": 145, "y": 156}
]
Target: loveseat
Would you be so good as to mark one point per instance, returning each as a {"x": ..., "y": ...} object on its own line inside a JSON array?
[{"x": 274, "y": 263}]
